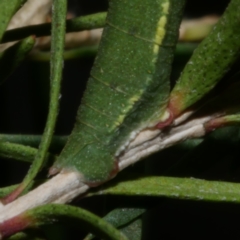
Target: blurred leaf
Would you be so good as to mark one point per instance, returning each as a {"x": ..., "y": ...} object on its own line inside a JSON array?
[
  {"x": 22, "y": 153},
  {"x": 121, "y": 218},
  {"x": 182, "y": 50},
  {"x": 25, "y": 236},
  {"x": 8, "y": 9},
  {"x": 81, "y": 52},
  {"x": 13, "y": 56},
  {"x": 57, "y": 142},
  {"x": 133, "y": 230},
  {"x": 88, "y": 22}
]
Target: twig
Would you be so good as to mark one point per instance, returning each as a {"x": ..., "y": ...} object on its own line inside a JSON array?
[{"x": 67, "y": 185}]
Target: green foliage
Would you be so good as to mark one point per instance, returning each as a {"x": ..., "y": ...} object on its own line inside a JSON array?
[
  {"x": 128, "y": 91},
  {"x": 13, "y": 56},
  {"x": 47, "y": 214},
  {"x": 125, "y": 219},
  {"x": 180, "y": 188},
  {"x": 57, "y": 46},
  {"x": 88, "y": 22},
  {"x": 210, "y": 62}
]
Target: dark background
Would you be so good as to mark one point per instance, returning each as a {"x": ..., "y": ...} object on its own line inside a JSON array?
[{"x": 24, "y": 104}]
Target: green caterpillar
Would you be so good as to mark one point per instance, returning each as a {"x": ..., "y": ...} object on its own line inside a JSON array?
[{"x": 129, "y": 86}]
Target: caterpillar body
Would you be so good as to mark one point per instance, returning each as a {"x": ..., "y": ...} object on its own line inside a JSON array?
[{"x": 128, "y": 88}]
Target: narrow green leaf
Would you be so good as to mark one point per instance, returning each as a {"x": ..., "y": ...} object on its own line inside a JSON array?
[
  {"x": 22, "y": 153},
  {"x": 210, "y": 61},
  {"x": 66, "y": 214},
  {"x": 88, "y": 22},
  {"x": 57, "y": 47},
  {"x": 17, "y": 151},
  {"x": 178, "y": 188},
  {"x": 13, "y": 56},
  {"x": 7, "y": 10},
  {"x": 57, "y": 142}
]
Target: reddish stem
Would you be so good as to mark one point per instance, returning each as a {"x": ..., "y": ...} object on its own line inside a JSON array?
[
  {"x": 14, "y": 225},
  {"x": 167, "y": 122},
  {"x": 13, "y": 195}
]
